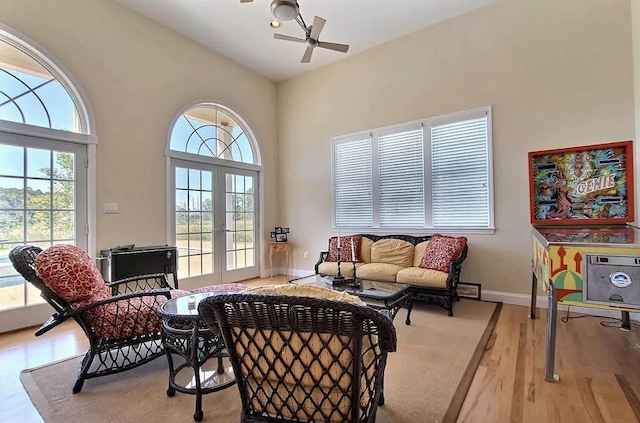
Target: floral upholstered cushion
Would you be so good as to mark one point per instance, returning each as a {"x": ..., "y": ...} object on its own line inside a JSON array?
[
  {"x": 306, "y": 291},
  {"x": 441, "y": 251},
  {"x": 225, "y": 287},
  {"x": 345, "y": 248},
  {"x": 126, "y": 318},
  {"x": 69, "y": 272}
]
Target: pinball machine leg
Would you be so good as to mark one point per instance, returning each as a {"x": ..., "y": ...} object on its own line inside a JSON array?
[
  {"x": 552, "y": 316},
  {"x": 534, "y": 294}
]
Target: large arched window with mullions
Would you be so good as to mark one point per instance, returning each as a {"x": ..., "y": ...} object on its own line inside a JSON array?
[
  {"x": 46, "y": 144},
  {"x": 213, "y": 204}
]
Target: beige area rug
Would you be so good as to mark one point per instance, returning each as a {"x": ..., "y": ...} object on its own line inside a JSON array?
[{"x": 426, "y": 379}]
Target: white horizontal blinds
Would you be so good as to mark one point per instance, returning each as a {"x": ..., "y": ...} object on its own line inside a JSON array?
[
  {"x": 460, "y": 172},
  {"x": 401, "y": 178},
  {"x": 352, "y": 178}
]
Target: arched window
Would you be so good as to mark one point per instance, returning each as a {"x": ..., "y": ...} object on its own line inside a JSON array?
[
  {"x": 45, "y": 131},
  {"x": 31, "y": 94},
  {"x": 206, "y": 130},
  {"x": 214, "y": 162}
]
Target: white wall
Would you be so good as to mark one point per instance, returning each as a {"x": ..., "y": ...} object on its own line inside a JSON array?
[
  {"x": 557, "y": 73},
  {"x": 137, "y": 76}
]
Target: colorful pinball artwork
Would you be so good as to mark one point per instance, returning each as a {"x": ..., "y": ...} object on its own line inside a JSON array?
[{"x": 582, "y": 185}]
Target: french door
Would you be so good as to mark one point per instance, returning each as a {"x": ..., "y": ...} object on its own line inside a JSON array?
[
  {"x": 43, "y": 201},
  {"x": 215, "y": 221}
]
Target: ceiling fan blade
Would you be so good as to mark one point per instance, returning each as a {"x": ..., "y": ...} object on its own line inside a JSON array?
[
  {"x": 307, "y": 55},
  {"x": 288, "y": 38},
  {"x": 316, "y": 27},
  {"x": 246, "y": 1},
  {"x": 342, "y": 48}
]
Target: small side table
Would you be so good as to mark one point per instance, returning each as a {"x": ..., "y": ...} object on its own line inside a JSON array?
[
  {"x": 185, "y": 334},
  {"x": 279, "y": 247}
]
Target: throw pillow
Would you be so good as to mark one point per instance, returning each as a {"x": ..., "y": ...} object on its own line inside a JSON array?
[
  {"x": 69, "y": 272},
  {"x": 345, "y": 248},
  {"x": 441, "y": 251}
]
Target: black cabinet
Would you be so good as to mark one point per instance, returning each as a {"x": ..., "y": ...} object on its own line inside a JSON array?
[{"x": 118, "y": 264}]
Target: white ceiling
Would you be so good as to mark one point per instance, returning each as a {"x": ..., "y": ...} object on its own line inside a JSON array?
[{"x": 241, "y": 32}]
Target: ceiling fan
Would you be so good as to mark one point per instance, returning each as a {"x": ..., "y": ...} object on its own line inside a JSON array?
[{"x": 288, "y": 10}]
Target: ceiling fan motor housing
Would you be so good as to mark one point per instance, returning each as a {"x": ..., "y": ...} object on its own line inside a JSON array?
[{"x": 285, "y": 10}]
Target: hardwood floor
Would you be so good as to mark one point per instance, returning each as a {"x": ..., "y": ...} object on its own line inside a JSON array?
[{"x": 599, "y": 370}]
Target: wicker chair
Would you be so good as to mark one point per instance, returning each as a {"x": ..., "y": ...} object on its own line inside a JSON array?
[
  {"x": 121, "y": 323},
  {"x": 293, "y": 356}
]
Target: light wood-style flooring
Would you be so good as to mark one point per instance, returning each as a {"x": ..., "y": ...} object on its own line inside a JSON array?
[{"x": 599, "y": 370}]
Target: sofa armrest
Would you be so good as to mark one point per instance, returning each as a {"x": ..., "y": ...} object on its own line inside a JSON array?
[
  {"x": 455, "y": 267},
  {"x": 321, "y": 259}
]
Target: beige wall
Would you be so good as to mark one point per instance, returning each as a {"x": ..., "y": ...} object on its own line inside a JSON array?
[
  {"x": 137, "y": 76},
  {"x": 557, "y": 73},
  {"x": 635, "y": 35}
]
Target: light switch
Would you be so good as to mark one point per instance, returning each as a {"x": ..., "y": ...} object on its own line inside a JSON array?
[{"x": 110, "y": 208}]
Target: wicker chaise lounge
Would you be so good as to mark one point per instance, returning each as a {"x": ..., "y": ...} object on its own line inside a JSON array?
[{"x": 119, "y": 319}]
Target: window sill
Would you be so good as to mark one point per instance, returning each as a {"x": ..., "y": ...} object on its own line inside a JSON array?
[{"x": 418, "y": 231}]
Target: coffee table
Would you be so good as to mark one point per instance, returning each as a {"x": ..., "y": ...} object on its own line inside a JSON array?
[
  {"x": 390, "y": 296},
  {"x": 186, "y": 335}
]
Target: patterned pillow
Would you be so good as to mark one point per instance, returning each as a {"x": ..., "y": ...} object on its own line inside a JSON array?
[
  {"x": 441, "y": 251},
  {"x": 345, "y": 248},
  {"x": 69, "y": 272},
  {"x": 296, "y": 290}
]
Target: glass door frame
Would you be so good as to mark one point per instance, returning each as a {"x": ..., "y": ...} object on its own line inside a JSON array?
[
  {"x": 228, "y": 276},
  {"x": 219, "y": 274}
]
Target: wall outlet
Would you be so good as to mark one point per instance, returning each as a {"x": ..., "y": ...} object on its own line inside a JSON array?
[{"x": 305, "y": 255}]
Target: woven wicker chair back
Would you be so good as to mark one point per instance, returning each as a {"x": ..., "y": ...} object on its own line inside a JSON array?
[{"x": 303, "y": 359}]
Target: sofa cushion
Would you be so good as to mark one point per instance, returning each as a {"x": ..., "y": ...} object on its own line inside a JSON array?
[
  {"x": 365, "y": 249},
  {"x": 345, "y": 248},
  {"x": 392, "y": 251},
  {"x": 379, "y": 271},
  {"x": 331, "y": 268},
  {"x": 441, "y": 251},
  {"x": 419, "y": 252},
  {"x": 419, "y": 276}
]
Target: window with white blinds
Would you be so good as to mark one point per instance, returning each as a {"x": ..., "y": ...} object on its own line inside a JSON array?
[
  {"x": 460, "y": 173},
  {"x": 432, "y": 173},
  {"x": 352, "y": 183},
  {"x": 401, "y": 178}
]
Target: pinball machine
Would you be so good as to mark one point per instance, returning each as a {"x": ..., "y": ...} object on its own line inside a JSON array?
[{"x": 585, "y": 251}]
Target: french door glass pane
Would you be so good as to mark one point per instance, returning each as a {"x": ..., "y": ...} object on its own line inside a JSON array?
[
  {"x": 240, "y": 215},
  {"x": 194, "y": 221}
]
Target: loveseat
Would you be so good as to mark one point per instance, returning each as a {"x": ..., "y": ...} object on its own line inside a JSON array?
[{"x": 429, "y": 264}]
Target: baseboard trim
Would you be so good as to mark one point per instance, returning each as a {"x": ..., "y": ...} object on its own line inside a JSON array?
[{"x": 541, "y": 302}]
